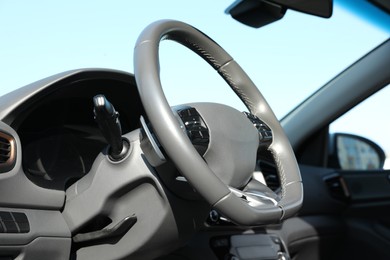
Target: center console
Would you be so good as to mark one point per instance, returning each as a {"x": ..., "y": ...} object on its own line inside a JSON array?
[{"x": 249, "y": 247}]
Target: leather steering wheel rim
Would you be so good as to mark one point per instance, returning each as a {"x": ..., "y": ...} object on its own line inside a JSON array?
[{"x": 180, "y": 149}]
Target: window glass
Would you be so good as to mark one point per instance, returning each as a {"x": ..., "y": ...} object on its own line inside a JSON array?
[
  {"x": 369, "y": 119},
  {"x": 287, "y": 60}
]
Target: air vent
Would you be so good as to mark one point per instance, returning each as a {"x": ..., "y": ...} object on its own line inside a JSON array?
[
  {"x": 7, "y": 152},
  {"x": 337, "y": 187}
]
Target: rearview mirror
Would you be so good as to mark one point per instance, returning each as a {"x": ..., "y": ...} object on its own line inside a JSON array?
[
  {"x": 357, "y": 153},
  {"x": 322, "y": 8},
  {"x": 257, "y": 13}
]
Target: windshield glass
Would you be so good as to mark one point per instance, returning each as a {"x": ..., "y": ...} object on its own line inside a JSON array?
[{"x": 288, "y": 60}]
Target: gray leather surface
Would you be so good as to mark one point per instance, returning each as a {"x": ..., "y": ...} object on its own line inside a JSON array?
[{"x": 231, "y": 154}]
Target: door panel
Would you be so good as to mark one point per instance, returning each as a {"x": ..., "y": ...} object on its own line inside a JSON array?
[
  {"x": 345, "y": 215},
  {"x": 367, "y": 186}
]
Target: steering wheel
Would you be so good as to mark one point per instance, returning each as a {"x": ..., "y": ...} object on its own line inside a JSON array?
[{"x": 222, "y": 174}]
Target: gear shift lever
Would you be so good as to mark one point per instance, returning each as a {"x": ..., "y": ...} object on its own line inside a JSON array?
[{"x": 108, "y": 121}]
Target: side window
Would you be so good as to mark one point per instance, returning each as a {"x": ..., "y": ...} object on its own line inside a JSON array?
[{"x": 361, "y": 134}]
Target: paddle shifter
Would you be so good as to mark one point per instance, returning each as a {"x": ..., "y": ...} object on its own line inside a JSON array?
[{"x": 108, "y": 121}]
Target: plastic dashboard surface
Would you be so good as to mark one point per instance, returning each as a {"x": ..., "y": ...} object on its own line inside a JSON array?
[
  {"x": 50, "y": 140},
  {"x": 55, "y": 133}
]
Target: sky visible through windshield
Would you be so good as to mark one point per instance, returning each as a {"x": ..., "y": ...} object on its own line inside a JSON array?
[{"x": 287, "y": 60}]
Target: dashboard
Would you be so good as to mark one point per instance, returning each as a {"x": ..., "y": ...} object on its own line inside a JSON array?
[
  {"x": 59, "y": 136},
  {"x": 58, "y": 149}
]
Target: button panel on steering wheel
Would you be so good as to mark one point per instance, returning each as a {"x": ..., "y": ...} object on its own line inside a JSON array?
[
  {"x": 265, "y": 133},
  {"x": 196, "y": 128}
]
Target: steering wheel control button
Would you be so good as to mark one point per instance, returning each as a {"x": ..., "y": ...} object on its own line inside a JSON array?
[
  {"x": 196, "y": 128},
  {"x": 188, "y": 112},
  {"x": 265, "y": 133}
]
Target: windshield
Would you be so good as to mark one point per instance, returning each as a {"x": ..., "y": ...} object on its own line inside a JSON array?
[{"x": 287, "y": 60}]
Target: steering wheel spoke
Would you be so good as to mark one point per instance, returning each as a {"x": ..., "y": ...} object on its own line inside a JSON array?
[{"x": 254, "y": 198}]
